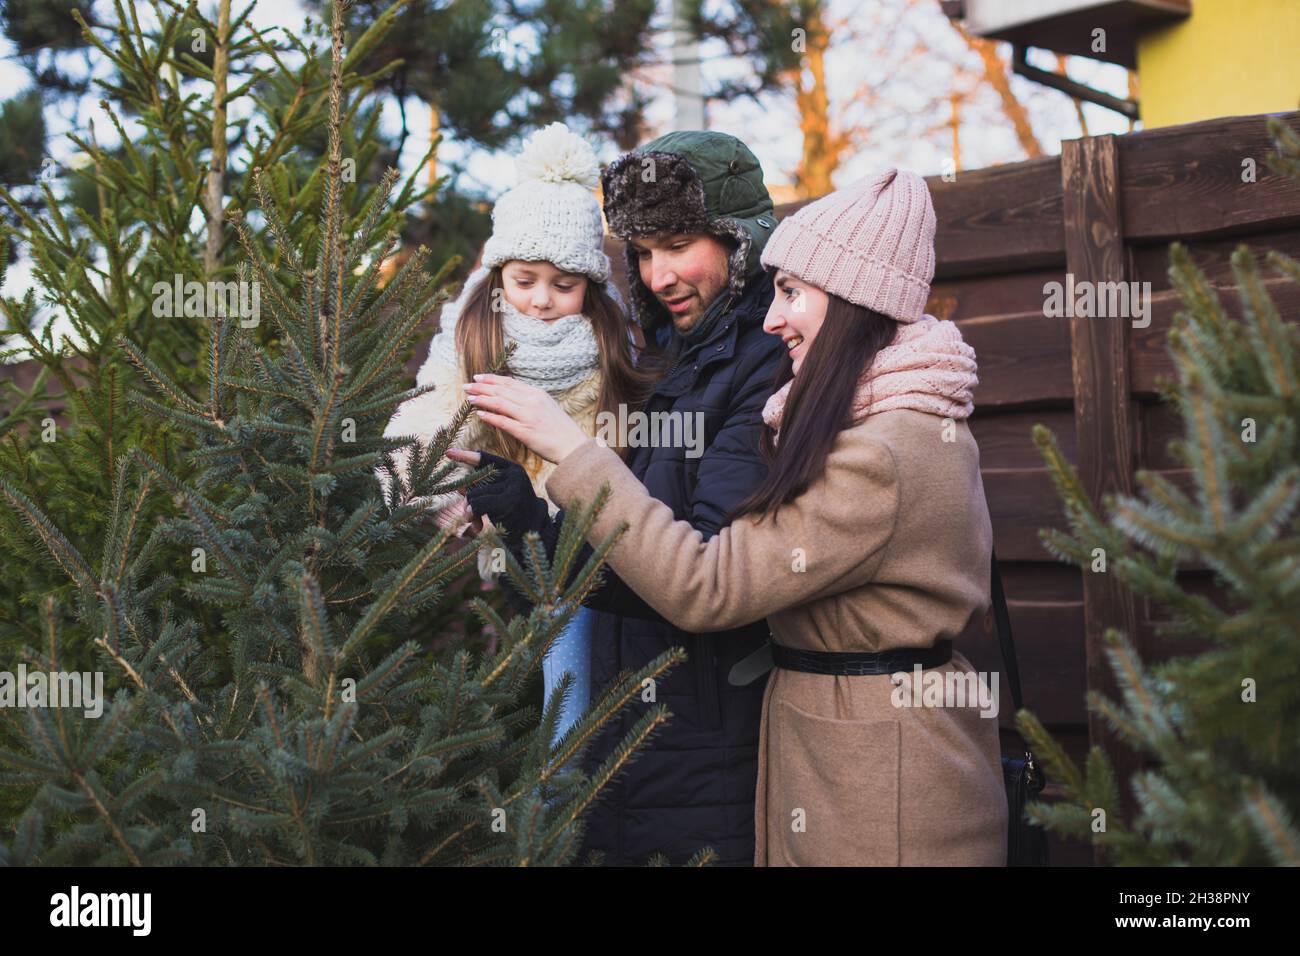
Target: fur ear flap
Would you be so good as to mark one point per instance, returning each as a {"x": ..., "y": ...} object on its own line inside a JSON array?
[{"x": 739, "y": 235}]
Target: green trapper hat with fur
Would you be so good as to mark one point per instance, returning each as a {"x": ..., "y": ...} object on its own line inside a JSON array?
[{"x": 690, "y": 181}]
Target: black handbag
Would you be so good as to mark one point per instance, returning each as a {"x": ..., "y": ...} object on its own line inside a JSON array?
[{"x": 1024, "y": 778}]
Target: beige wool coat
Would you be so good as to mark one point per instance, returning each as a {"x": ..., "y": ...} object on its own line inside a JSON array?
[{"x": 888, "y": 548}]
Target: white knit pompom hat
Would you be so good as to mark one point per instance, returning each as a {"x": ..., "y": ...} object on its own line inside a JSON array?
[{"x": 552, "y": 215}]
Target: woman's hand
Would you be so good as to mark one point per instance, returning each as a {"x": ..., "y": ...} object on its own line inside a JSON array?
[{"x": 527, "y": 413}]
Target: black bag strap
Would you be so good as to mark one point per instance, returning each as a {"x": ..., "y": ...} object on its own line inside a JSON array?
[{"x": 1003, "y": 620}]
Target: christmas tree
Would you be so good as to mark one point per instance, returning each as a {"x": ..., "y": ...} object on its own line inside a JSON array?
[
  {"x": 196, "y": 104},
  {"x": 1222, "y": 726},
  {"x": 315, "y": 724}
]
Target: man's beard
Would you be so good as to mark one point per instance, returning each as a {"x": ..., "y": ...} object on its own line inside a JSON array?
[{"x": 684, "y": 321}]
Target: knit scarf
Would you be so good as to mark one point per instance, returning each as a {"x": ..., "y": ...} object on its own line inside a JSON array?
[
  {"x": 927, "y": 368},
  {"x": 554, "y": 355}
]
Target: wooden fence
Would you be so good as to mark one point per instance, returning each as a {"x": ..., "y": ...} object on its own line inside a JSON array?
[{"x": 1105, "y": 210}]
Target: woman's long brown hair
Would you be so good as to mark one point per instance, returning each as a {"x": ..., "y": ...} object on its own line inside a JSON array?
[
  {"x": 820, "y": 402},
  {"x": 480, "y": 342}
]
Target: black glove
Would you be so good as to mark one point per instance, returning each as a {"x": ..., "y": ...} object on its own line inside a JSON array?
[{"x": 508, "y": 498}]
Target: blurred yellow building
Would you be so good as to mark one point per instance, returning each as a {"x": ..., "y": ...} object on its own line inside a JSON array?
[
  {"x": 1229, "y": 58},
  {"x": 1195, "y": 59}
]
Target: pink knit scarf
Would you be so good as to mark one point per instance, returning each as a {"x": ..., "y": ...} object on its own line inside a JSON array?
[{"x": 927, "y": 368}]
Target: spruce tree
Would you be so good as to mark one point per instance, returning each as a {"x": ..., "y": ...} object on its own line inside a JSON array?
[
  {"x": 102, "y": 235},
  {"x": 1222, "y": 725},
  {"x": 314, "y": 726}
]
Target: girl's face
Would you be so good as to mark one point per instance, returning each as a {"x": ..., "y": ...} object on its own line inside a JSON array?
[
  {"x": 796, "y": 314},
  {"x": 540, "y": 290}
]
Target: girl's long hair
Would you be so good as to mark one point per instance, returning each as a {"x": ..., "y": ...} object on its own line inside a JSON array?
[
  {"x": 480, "y": 342},
  {"x": 819, "y": 404}
]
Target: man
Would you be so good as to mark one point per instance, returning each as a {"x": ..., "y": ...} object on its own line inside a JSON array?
[{"x": 695, "y": 215}]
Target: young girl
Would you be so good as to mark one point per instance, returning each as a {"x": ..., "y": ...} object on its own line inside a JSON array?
[
  {"x": 867, "y": 547},
  {"x": 542, "y": 285}
]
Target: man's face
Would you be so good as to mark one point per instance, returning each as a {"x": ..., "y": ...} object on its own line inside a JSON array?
[{"x": 685, "y": 271}]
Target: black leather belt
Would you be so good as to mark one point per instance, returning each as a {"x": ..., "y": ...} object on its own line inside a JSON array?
[{"x": 859, "y": 664}]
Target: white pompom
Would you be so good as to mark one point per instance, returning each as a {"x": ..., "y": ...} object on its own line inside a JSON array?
[{"x": 554, "y": 154}]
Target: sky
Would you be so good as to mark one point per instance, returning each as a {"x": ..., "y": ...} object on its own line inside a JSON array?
[{"x": 769, "y": 126}]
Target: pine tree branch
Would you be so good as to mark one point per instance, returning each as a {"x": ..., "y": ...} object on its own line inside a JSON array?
[{"x": 67, "y": 557}]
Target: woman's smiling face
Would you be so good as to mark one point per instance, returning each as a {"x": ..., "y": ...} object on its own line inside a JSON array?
[
  {"x": 541, "y": 291},
  {"x": 796, "y": 314}
]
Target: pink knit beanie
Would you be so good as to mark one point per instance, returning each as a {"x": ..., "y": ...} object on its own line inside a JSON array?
[{"x": 871, "y": 243}]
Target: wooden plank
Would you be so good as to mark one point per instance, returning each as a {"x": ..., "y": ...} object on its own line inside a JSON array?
[
  {"x": 1050, "y": 652},
  {"x": 1186, "y": 181},
  {"x": 1006, "y": 218},
  {"x": 1023, "y": 359},
  {"x": 1021, "y": 501},
  {"x": 1000, "y": 219},
  {"x": 1006, "y": 440},
  {"x": 1103, "y": 411},
  {"x": 1149, "y": 357},
  {"x": 1150, "y": 263},
  {"x": 990, "y": 295},
  {"x": 1047, "y": 580}
]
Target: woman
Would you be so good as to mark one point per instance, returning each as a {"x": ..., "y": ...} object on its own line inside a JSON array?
[{"x": 867, "y": 548}]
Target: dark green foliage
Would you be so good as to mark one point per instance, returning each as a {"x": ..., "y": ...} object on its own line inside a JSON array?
[{"x": 22, "y": 139}]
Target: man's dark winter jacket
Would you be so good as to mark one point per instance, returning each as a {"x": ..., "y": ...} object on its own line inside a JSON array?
[{"x": 693, "y": 784}]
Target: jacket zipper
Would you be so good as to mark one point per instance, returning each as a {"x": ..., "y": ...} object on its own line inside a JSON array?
[
  {"x": 703, "y": 653},
  {"x": 669, "y": 374}
]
